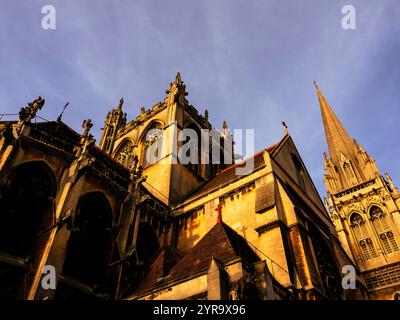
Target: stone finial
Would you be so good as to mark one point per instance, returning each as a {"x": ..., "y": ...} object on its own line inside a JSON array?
[
  {"x": 176, "y": 91},
  {"x": 391, "y": 184},
  {"x": 225, "y": 130},
  {"x": 206, "y": 115},
  {"x": 121, "y": 102},
  {"x": 178, "y": 79}
]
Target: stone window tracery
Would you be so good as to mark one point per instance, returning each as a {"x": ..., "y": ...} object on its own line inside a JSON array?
[
  {"x": 382, "y": 228},
  {"x": 152, "y": 146},
  {"x": 125, "y": 154},
  {"x": 364, "y": 240}
]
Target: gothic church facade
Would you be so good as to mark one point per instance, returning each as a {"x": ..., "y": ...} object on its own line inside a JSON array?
[{"x": 114, "y": 224}]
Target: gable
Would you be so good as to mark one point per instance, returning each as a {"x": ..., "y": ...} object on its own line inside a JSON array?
[{"x": 287, "y": 158}]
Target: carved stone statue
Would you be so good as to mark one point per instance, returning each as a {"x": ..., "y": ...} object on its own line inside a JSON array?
[
  {"x": 29, "y": 112},
  {"x": 86, "y": 125}
]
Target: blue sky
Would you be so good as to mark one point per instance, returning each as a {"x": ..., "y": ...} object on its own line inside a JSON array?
[{"x": 251, "y": 63}]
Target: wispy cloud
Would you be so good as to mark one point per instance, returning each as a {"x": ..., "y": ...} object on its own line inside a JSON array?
[{"x": 251, "y": 63}]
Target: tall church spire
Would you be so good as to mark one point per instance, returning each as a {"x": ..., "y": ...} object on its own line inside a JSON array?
[
  {"x": 339, "y": 141},
  {"x": 346, "y": 158},
  {"x": 363, "y": 205}
]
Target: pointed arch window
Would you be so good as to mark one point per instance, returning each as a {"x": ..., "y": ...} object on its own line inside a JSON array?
[
  {"x": 380, "y": 222},
  {"x": 125, "y": 154},
  {"x": 348, "y": 170},
  {"x": 109, "y": 138},
  {"x": 110, "y": 131},
  {"x": 363, "y": 238},
  {"x": 152, "y": 146},
  {"x": 89, "y": 249}
]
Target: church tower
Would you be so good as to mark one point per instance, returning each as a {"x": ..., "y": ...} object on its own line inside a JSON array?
[
  {"x": 364, "y": 207},
  {"x": 171, "y": 141}
]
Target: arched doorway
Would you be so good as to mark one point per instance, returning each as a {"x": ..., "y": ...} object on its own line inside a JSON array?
[{"x": 90, "y": 244}]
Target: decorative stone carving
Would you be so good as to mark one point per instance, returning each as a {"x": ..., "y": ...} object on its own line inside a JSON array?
[
  {"x": 114, "y": 123},
  {"x": 176, "y": 91},
  {"x": 391, "y": 184},
  {"x": 121, "y": 102},
  {"x": 125, "y": 154},
  {"x": 86, "y": 125},
  {"x": 29, "y": 112}
]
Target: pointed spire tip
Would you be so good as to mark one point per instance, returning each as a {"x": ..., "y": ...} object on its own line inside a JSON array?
[
  {"x": 178, "y": 77},
  {"x": 121, "y": 102}
]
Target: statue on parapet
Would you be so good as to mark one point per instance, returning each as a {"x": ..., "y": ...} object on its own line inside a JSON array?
[
  {"x": 86, "y": 125},
  {"x": 29, "y": 112}
]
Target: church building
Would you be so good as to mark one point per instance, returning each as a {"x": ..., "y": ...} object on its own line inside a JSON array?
[
  {"x": 131, "y": 219},
  {"x": 364, "y": 206}
]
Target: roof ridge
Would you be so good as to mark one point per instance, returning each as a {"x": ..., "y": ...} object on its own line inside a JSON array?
[
  {"x": 212, "y": 180},
  {"x": 249, "y": 157}
]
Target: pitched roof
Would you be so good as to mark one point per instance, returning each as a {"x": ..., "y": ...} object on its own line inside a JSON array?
[
  {"x": 159, "y": 267},
  {"x": 229, "y": 174},
  {"x": 63, "y": 131},
  {"x": 59, "y": 128},
  {"x": 222, "y": 243}
]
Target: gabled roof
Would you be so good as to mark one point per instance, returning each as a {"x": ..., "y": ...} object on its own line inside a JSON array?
[
  {"x": 159, "y": 267},
  {"x": 221, "y": 243}
]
